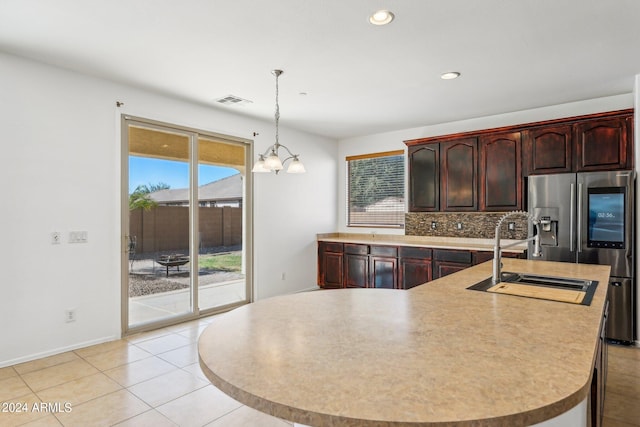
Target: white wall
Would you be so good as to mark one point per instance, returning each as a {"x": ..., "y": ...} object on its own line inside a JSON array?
[
  {"x": 394, "y": 140},
  {"x": 60, "y": 170}
]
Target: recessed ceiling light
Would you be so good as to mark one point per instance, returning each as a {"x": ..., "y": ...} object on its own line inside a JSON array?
[
  {"x": 381, "y": 17},
  {"x": 450, "y": 75}
]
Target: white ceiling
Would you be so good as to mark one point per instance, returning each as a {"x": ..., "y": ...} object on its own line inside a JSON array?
[{"x": 360, "y": 79}]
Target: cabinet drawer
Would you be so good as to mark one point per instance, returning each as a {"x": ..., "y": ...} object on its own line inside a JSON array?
[
  {"x": 414, "y": 252},
  {"x": 452, "y": 256},
  {"x": 390, "y": 251},
  {"x": 351, "y": 248},
  {"x": 332, "y": 247},
  {"x": 482, "y": 256}
]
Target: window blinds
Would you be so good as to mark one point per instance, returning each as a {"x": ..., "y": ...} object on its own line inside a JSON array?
[{"x": 375, "y": 189}]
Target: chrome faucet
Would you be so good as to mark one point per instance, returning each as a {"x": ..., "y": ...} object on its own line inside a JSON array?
[{"x": 497, "y": 249}]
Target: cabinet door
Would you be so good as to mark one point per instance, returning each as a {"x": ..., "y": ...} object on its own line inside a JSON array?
[
  {"x": 447, "y": 261},
  {"x": 602, "y": 144},
  {"x": 444, "y": 268},
  {"x": 331, "y": 273},
  {"x": 384, "y": 272},
  {"x": 500, "y": 176},
  {"x": 458, "y": 175},
  {"x": 548, "y": 150},
  {"x": 413, "y": 272},
  {"x": 330, "y": 265},
  {"x": 424, "y": 178},
  {"x": 356, "y": 270}
]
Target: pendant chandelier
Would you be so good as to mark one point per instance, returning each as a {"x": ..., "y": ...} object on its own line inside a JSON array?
[{"x": 269, "y": 161}]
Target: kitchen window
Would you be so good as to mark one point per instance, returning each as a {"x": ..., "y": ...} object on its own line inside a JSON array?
[{"x": 375, "y": 190}]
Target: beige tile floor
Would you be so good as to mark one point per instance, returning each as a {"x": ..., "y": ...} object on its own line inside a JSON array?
[
  {"x": 622, "y": 393},
  {"x": 149, "y": 379},
  {"x": 153, "y": 379}
]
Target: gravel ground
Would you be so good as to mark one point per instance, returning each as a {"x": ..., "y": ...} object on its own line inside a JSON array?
[
  {"x": 147, "y": 284},
  {"x": 147, "y": 277}
]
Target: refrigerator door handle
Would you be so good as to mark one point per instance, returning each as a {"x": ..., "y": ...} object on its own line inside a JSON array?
[
  {"x": 579, "y": 225},
  {"x": 572, "y": 218}
]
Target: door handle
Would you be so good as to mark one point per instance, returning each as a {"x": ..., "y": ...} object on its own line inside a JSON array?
[
  {"x": 616, "y": 283},
  {"x": 572, "y": 218},
  {"x": 579, "y": 227}
]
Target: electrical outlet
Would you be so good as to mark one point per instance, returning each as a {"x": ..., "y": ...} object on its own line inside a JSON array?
[
  {"x": 434, "y": 225},
  {"x": 511, "y": 226},
  {"x": 56, "y": 238},
  {"x": 459, "y": 226},
  {"x": 70, "y": 315}
]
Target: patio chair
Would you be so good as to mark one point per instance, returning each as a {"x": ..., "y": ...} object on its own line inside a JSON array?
[{"x": 132, "y": 251}]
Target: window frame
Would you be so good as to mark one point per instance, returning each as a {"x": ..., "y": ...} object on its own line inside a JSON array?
[{"x": 348, "y": 160}]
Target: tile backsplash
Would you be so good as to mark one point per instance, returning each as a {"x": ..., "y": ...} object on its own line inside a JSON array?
[{"x": 463, "y": 224}]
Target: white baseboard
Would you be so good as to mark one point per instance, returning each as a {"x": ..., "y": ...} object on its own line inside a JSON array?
[
  {"x": 35, "y": 356},
  {"x": 314, "y": 288}
]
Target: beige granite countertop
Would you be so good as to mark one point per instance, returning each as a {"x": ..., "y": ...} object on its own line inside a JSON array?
[
  {"x": 463, "y": 243},
  {"x": 435, "y": 355}
]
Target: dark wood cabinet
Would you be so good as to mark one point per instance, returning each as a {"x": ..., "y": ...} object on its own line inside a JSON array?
[
  {"x": 500, "y": 172},
  {"x": 548, "y": 150},
  {"x": 352, "y": 265},
  {"x": 384, "y": 272},
  {"x": 596, "y": 144},
  {"x": 459, "y": 175},
  {"x": 414, "y": 266},
  {"x": 330, "y": 256},
  {"x": 356, "y": 266},
  {"x": 602, "y": 145},
  {"x": 447, "y": 261},
  {"x": 443, "y": 176},
  {"x": 484, "y": 170},
  {"x": 383, "y": 267},
  {"x": 424, "y": 178}
]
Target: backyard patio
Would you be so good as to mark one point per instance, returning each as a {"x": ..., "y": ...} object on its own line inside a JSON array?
[{"x": 154, "y": 293}]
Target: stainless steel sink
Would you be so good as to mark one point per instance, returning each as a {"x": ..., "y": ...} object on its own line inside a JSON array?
[
  {"x": 548, "y": 281},
  {"x": 580, "y": 285}
]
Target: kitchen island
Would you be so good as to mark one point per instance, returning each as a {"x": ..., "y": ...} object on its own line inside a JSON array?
[{"x": 436, "y": 355}]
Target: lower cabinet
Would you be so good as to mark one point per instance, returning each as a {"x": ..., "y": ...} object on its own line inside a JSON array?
[
  {"x": 330, "y": 264},
  {"x": 383, "y": 267},
  {"x": 351, "y": 265},
  {"x": 447, "y": 261},
  {"x": 414, "y": 266},
  {"x": 370, "y": 266}
]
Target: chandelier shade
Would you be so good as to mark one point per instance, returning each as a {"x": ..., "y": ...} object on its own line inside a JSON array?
[{"x": 270, "y": 161}]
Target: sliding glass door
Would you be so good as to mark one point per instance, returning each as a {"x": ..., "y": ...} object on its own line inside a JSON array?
[
  {"x": 184, "y": 222},
  {"x": 221, "y": 267}
]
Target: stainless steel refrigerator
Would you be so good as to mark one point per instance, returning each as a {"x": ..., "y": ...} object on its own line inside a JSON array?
[{"x": 589, "y": 218}]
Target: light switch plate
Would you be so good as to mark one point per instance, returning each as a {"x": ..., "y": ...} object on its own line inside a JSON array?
[{"x": 78, "y": 236}]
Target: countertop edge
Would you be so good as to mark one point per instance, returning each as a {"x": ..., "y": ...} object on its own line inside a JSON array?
[{"x": 459, "y": 243}]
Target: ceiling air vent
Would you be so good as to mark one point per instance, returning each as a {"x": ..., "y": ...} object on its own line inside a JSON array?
[{"x": 233, "y": 100}]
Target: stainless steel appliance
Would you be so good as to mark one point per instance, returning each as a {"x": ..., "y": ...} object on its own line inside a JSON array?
[{"x": 589, "y": 218}]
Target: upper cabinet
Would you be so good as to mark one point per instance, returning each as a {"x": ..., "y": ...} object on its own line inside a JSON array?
[
  {"x": 484, "y": 170},
  {"x": 424, "y": 178},
  {"x": 595, "y": 144},
  {"x": 500, "y": 174},
  {"x": 459, "y": 175},
  {"x": 443, "y": 176},
  {"x": 602, "y": 145},
  {"x": 548, "y": 150}
]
